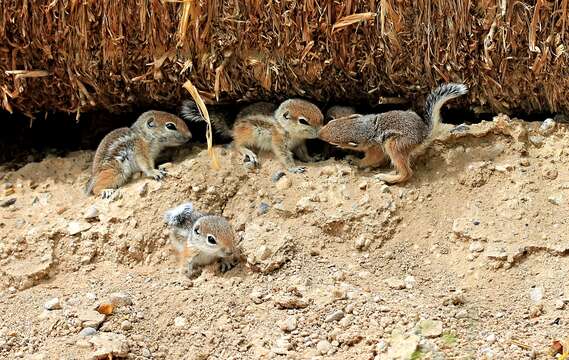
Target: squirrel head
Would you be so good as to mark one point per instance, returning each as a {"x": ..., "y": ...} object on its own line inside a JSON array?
[
  {"x": 300, "y": 117},
  {"x": 213, "y": 235},
  {"x": 353, "y": 132},
  {"x": 163, "y": 127},
  {"x": 336, "y": 112}
]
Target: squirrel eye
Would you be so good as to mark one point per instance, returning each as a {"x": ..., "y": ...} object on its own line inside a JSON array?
[
  {"x": 303, "y": 121},
  {"x": 196, "y": 231},
  {"x": 353, "y": 144},
  {"x": 170, "y": 126},
  {"x": 211, "y": 240}
]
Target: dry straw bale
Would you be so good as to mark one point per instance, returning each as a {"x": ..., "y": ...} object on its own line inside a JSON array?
[{"x": 76, "y": 55}]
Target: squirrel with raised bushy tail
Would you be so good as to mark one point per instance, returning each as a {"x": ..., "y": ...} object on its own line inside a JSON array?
[
  {"x": 263, "y": 126},
  {"x": 394, "y": 133},
  {"x": 206, "y": 238}
]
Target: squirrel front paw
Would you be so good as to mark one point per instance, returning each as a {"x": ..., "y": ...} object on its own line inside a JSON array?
[
  {"x": 297, "y": 169},
  {"x": 107, "y": 193},
  {"x": 158, "y": 174},
  {"x": 226, "y": 264}
]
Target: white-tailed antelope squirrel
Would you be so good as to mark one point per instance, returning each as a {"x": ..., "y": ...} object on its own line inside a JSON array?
[
  {"x": 266, "y": 127},
  {"x": 395, "y": 133},
  {"x": 125, "y": 151},
  {"x": 207, "y": 238}
]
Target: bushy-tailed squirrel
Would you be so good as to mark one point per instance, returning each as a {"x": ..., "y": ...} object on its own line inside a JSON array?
[
  {"x": 395, "y": 133},
  {"x": 206, "y": 238},
  {"x": 125, "y": 151},
  {"x": 266, "y": 127}
]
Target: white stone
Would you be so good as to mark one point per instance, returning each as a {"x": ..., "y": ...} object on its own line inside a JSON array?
[
  {"x": 180, "y": 321},
  {"x": 52, "y": 304}
]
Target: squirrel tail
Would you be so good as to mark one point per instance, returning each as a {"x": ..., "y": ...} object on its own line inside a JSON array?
[
  {"x": 437, "y": 98},
  {"x": 189, "y": 111}
]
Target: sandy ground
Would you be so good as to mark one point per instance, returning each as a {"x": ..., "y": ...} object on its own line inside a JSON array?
[{"x": 466, "y": 261}]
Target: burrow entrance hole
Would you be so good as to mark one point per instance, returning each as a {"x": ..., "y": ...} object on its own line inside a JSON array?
[{"x": 24, "y": 140}]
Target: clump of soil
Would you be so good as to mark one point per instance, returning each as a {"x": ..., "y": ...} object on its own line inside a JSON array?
[{"x": 468, "y": 259}]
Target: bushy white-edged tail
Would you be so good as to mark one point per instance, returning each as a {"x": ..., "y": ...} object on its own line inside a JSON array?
[
  {"x": 189, "y": 111},
  {"x": 437, "y": 98}
]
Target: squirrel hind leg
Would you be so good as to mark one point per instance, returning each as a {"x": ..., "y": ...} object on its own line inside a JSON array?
[
  {"x": 106, "y": 181},
  {"x": 398, "y": 151},
  {"x": 374, "y": 157}
]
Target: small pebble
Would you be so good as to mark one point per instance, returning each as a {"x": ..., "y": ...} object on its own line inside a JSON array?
[
  {"x": 88, "y": 331},
  {"x": 559, "y": 304},
  {"x": 288, "y": 325},
  {"x": 547, "y": 126},
  {"x": 335, "y": 316},
  {"x": 8, "y": 202},
  {"x": 396, "y": 284},
  {"x": 491, "y": 339},
  {"x": 536, "y": 140},
  {"x": 91, "y": 213},
  {"x": 263, "y": 208},
  {"x": 536, "y": 294},
  {"x": 180, "y": 321},
  {"x": 120, "y": 299},
  {"x": 556, "y": 199},
  {"x": 146, "y": 353},
  {"x": 126, "y": 325},
  {"x": 461, "y": 314},
  {"x": 323, "y": 347},
  {"x": 476, "y": 246},
  {"x": 52, "y": 304}
]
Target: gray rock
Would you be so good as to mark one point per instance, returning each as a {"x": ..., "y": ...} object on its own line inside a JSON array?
[
  {"x": 536, "y": 140},
  {"x": 8, "y": 202},
  {"x": 547, "y": 127},
  {"x": 263, "y": 208},
  {"x": 335, "y": 316},
  {"x": 88, "y": 331},
  {"x": 120, "y": 299}
]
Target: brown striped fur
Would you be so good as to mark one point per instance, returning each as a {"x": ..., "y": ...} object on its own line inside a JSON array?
[{"x": 125, "y": 151}]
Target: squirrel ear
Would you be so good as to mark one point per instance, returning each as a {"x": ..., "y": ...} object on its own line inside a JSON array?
[
  {"x": 150, "y": 122},
  {"x": 286, "y": 115}
]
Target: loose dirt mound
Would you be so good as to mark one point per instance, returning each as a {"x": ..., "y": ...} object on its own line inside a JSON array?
[{"x": 465, "y": 261}]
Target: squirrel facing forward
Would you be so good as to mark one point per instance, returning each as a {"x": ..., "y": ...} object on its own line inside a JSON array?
[
  {"x": 207, "y": 237},
  {"x": 125, "y": 151},
  {"x": 395, "y": 133},
  {"x": 266, "y": 127}
]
